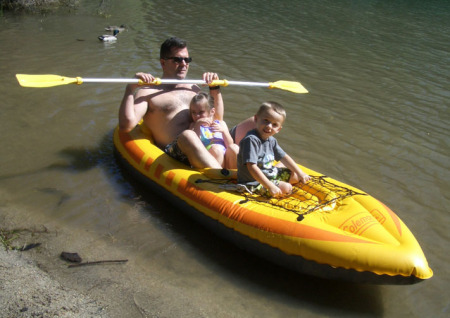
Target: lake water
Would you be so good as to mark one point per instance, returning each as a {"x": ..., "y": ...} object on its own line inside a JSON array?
[{"x": 377, "y": 117}]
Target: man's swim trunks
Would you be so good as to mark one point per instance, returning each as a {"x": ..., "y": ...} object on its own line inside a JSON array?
[{"x": 175, "y": 152}]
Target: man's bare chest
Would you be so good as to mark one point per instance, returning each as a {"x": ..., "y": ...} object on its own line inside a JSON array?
[{"x": 170, "y": 102}]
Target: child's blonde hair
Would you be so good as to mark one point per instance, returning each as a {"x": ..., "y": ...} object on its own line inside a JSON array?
[
  {"x": 201, "y": 97},
  {"x": 273, "y": 106}
]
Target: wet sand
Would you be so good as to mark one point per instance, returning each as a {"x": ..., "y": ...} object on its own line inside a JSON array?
[
  {"x": 39, "y": 283},
  {"x": 29, "y": 291}
]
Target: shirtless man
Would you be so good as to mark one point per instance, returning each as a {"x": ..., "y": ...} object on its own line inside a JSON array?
[{"x": 165, "y": 108}]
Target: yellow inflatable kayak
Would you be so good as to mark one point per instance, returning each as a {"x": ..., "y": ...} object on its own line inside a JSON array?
[{"x": 325, "y": 228}]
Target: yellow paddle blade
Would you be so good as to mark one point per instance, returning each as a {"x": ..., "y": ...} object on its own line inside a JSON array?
[
  {"x": 46, "y": 80},
  {"x": 294, "y": 87}
]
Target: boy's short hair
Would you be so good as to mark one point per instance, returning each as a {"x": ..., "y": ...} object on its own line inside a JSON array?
[
  {"x": 169, "y": 44},
  {"x": 273, "y": 106},
  {"x": 202, "y": 97}
]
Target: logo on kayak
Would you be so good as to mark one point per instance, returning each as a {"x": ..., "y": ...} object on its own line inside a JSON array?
[
  {"x": 378, "y": 215},
  {"x": 359, "y": 224}
]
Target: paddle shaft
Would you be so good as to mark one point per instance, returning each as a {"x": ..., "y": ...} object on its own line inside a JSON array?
[
  {"x": 170, "y": 81},
  {"x": 111, "y": 80}
]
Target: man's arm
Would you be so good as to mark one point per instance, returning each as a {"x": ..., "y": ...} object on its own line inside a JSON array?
[{"x": 133, "y": 106}]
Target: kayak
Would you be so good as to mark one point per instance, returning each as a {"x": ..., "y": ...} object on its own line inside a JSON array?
[{"x": 325, "y": 228}]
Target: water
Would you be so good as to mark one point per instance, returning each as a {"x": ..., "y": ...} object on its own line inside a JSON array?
[{"x": 377, "y": 117}]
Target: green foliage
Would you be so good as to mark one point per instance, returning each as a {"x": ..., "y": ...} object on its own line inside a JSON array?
[{"x": 8, "y": 236}]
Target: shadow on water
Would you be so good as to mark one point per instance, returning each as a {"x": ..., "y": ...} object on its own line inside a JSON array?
[
  {"x": 75, "y": 160},
  {"x": 256, "y": 274},
  {"x": 237, "y": 265}
]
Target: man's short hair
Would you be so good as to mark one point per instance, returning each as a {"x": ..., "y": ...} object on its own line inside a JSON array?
[{"x": 169, "y": 44}]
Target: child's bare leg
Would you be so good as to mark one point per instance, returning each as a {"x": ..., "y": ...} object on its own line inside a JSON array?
[
  {"x": 217, "y": 152},
  {"x": 294, "y": 178},
  {"x": 231, "y": 157}
]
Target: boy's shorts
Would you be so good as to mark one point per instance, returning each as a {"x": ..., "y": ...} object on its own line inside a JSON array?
[
  {"x": 175, "y": 152},
  {"x": 275, "y": 175}
]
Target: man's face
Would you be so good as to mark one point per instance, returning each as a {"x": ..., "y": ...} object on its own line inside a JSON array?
[{"x": 176, "y": 68}]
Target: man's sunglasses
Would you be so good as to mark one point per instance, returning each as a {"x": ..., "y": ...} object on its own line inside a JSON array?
[{"x": 177, "y": 59}]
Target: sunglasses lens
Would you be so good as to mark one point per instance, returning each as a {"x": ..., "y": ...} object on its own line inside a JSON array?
[
  {"x": 178, "y": 59},
  {"x": 181, "y": 59}
]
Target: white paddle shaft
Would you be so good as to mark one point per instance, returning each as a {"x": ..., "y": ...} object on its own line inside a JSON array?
[{"x": 167, "y": 81}]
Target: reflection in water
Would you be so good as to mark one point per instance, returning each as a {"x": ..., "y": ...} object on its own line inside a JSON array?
[{"x": 257, "y": 274}]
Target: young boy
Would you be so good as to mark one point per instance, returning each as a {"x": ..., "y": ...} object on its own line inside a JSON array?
[
  {"x": 212, "y": 131},
  {"x": 259, "y": 149}
]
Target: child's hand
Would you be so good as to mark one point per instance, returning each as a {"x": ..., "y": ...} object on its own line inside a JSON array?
[
  {"x": 218, "y": 126},
  {"x": 304, "y": 178},
  {"x": 285, "y": 187},
  {"x": 275, "y": 191},
  {"x": 205, "y": 122}
]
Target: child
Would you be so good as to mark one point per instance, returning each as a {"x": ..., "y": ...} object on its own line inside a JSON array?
[
  {"x": 259, "y": 149},
  {"x": 213, "y": 131}
]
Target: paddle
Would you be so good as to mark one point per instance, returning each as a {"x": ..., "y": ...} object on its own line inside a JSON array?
[{"x": 56, "y": 80}]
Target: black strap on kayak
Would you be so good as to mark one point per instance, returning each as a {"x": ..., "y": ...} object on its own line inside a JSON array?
[{"x": 317, "y": 194}]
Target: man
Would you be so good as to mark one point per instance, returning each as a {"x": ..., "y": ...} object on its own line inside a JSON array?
[{"x": 165, "y": 108}]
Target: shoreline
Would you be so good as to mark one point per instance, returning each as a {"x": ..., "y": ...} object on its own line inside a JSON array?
[
  {"x": 34, "y": 282},
  {"x": 39, "y": 283},
  {"x": 28, "y": 291}
]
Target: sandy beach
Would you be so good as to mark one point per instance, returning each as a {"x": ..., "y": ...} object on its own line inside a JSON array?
[
  {"x": 39, "y": 283},
  {"x": 28, "y": 291}
]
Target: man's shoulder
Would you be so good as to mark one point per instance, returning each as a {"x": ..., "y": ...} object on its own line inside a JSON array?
[{"x": 146, "y": 93}]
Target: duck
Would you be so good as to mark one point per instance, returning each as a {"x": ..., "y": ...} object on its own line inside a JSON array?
[
  {"x": 111, "y": 28},
  {"x": 109, "y": 37}
]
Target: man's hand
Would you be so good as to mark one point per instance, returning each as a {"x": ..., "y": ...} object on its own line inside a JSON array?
[
  {"x": 145, "y": 77},
  {"x": 208, "y": 77}
]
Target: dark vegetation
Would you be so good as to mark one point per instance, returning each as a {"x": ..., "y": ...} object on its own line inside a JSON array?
[{"x": 36, "y": 5}]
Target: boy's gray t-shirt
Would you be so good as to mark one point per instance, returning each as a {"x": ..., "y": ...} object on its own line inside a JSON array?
[{"x": 262, "y": 152}]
